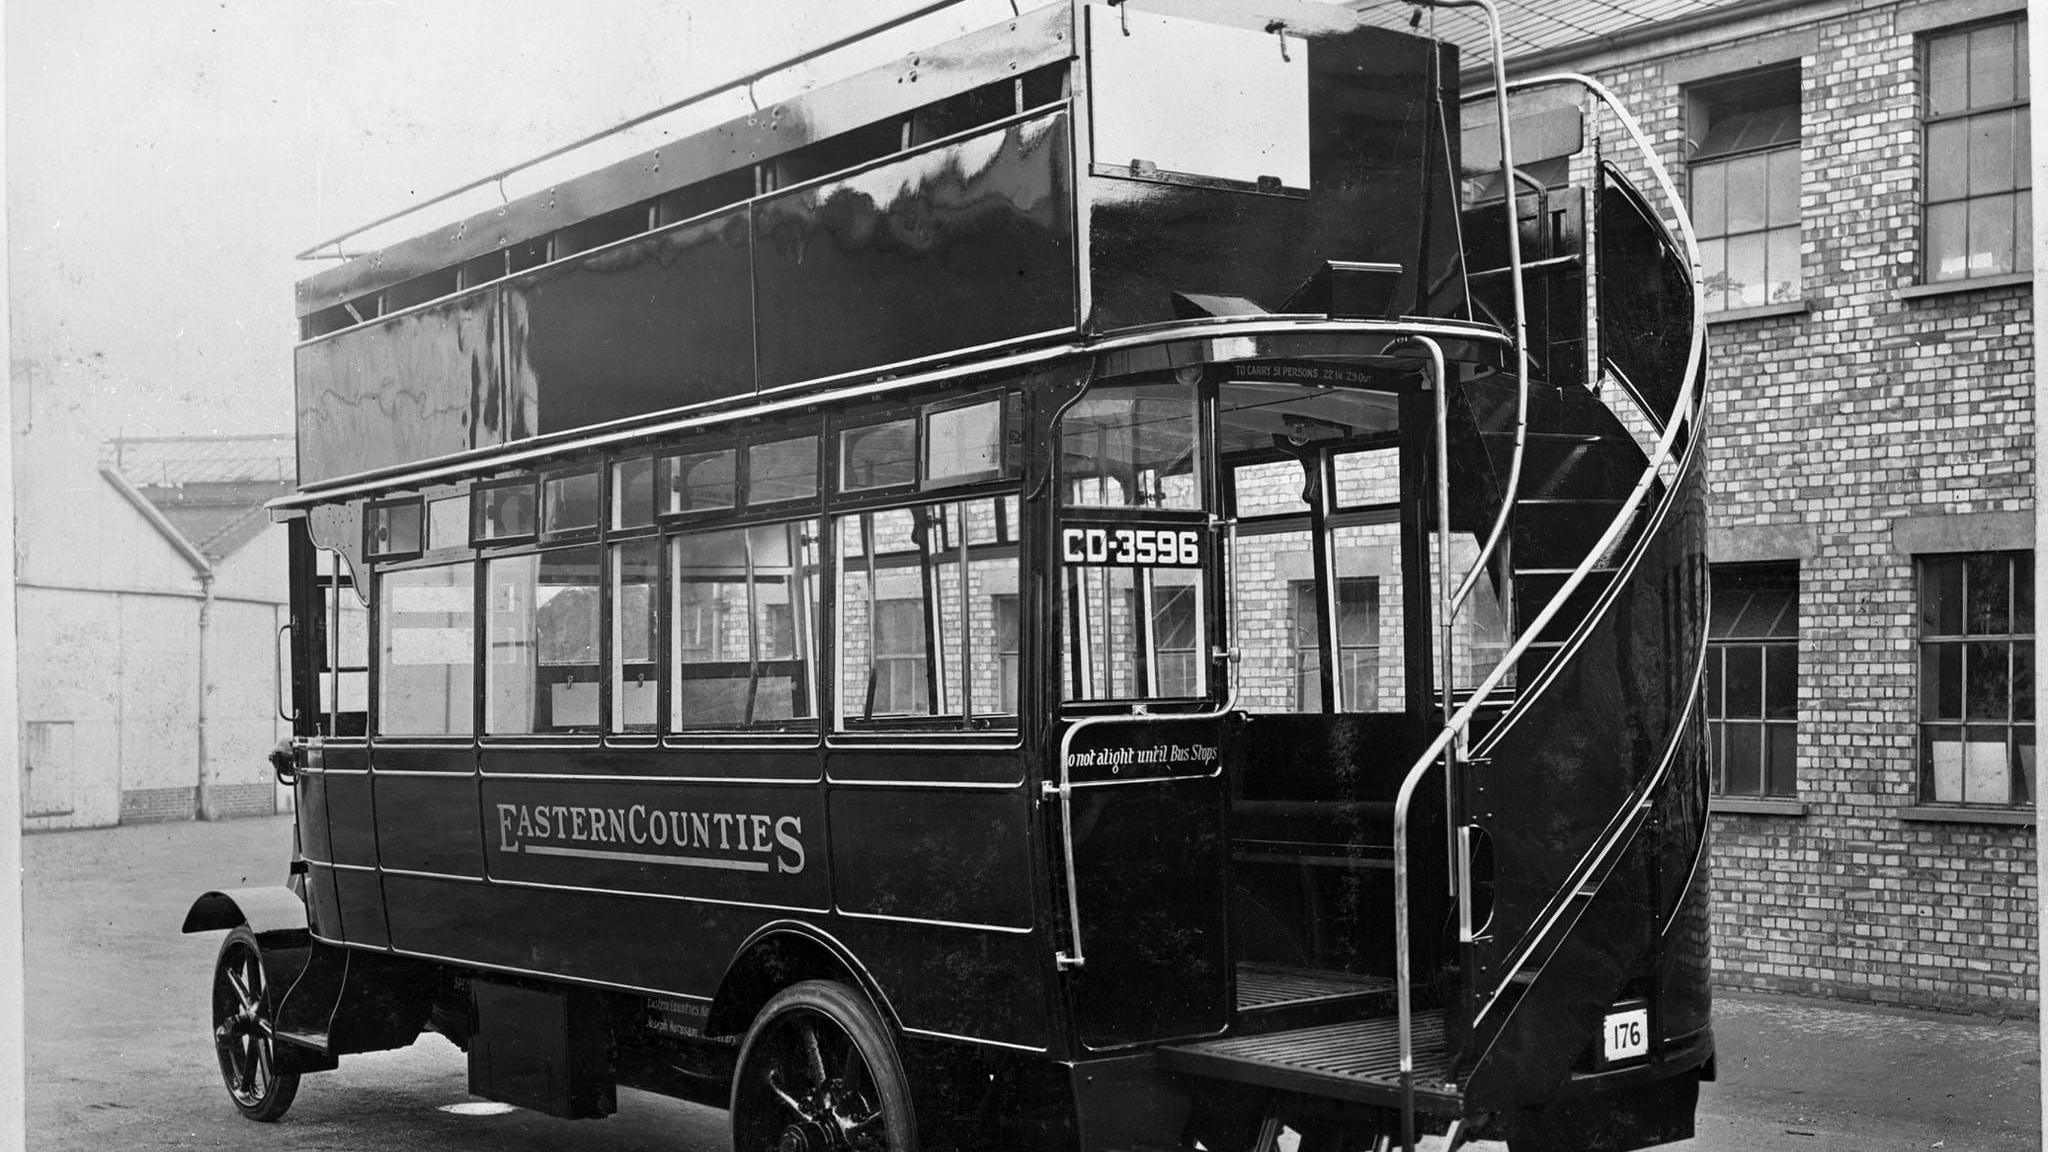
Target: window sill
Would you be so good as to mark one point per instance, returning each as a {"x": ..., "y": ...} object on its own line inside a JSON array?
[
  {"x": 1974, "y": 284},
  {"x": 1756, "y": 806},
  {"x": 1946, "y": 815},
  {"x": 1760, "y": 312}
]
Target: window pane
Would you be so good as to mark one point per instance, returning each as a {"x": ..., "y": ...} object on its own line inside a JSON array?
[
  {"x": 877, "y": 456},
  {"x": 2023, "y": 593},
  {"x": 1941, "y": 765},
  {"x": 503, "y": 513},
  {"x": 1781, "y": 681},
  {"x": 1991, "y": 235},
  {"x": 1265, "y": 600},
  {"x": 1947, "y": 166},
  {"x": 710, "y": 624},
  {"x": 1987, "y": 580},
  {"x": 2023, "y": 766},
  {"x": 1991, "y": 153},
  {"x": 1987, "y": 681},
  {"x": 1742, "y": 771},
  {"x": 1715, "y": 659},
  {"x": 1987, "y": 766},
  {"x": 1131, "y": 446},
  {"x": 1991, "y": 65},
  {"x": 1948, "y": 77},
  {"x": 1271, "y": 488},
  {"x": 633, "y": 493},
  {"x": 1746, "y": 276},
  {"x": 699, "y": 481},
  {"x": 1941, "y": 597},
  {"x": 636, "y": 578},
  {"x": 1710, "y": 199},
  {"x": 395, "y": 529},
  {"x": 1781, "y": 775},
  {"x": 2023, "y": 680},
  {"x": 448, "y": 522},
  {"x": 964, "y": 443},
  {"x": 1714, "y": 270},
  {"x": 426, "y": 628},
  {"x": 1781, "y": 264},
  {"x": 1941, "y": 682},
  {"x": 542, "y": 672},
  {"x": 569, "y": 503},
  {"x": 1748, "y": 193},
  {"x": 784, "y": 470},
  {"x": 1367, "y": 478},
  {"x": 1782, "y": 175},
  {"x": 1745, "y": 686},
  {"x": 1368, "y": 563},
  {"x": 1947, "y": 240}
]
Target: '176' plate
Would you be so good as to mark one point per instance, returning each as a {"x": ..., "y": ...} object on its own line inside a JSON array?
[{"x": 1627, "y": 1035}]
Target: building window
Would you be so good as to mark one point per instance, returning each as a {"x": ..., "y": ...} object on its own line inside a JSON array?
[
  {"x": 1745, "y": 186},
  {"x": 1979, "y": 219},
  {"x": 1977, "y": 679},
  {"x": 1753, "y": 681},
  {"x": 1358, "y": 645}
]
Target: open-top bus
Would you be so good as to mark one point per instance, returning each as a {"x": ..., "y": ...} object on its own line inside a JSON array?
[{"x": 1129, "y": 580}]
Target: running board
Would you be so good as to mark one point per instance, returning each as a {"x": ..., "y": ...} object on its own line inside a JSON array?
[{"x": 1358, "y": 1061}]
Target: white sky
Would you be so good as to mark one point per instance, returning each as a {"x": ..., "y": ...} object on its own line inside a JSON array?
[{"x": 165, "y": 158}]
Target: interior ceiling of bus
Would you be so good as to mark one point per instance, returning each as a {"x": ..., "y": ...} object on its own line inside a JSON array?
[{"x": 1533, "y": 26}]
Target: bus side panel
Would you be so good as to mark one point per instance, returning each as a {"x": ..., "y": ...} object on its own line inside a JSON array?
[
  {"x": 428, "y": 824},
  {"x": 959, "y": 246},
  {"x": 960, "y": 982},
  {"x": 411, "y": 387},
  {"x": 650, "y": 324},
  {"x": 960, "y": 857},
  {"x": 352, "y": 837}
]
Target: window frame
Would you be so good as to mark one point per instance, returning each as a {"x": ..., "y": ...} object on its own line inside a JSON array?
[
  {"x": 371, "y": 511},
  {"x": 2020, "y": 252},
  {"x": 2019, "y": 653},
  {"x": 480, "y": 495},
  {"x": 1702, "y": 98},
  {"x": 1750, "y": 580}
]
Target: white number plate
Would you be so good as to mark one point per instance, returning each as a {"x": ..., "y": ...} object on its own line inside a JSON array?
[{"x": 1628, "y": 1034}]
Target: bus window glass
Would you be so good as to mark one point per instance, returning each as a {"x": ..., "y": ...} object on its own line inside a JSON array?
[
  {"x": 878, "y": 456},
  {"x": 1132, "y": 633},
  {"x": 1273, "y": 489},
  {"x": 927, "y": 597},
  {"x": 782, "y": 470},
  {"x": 425, "y": 660},
  {"x": 569, "y": 504},
  {"x": 394, "y": 529},
  {"x": 1131, "y": 446},
  {"x": 542, "y": 673},
  {"x": 744, "y": 625},
  {"x": 633, "y": 492},
  {"x": 343, "y": 683},
  {"x": 963, "y": 444},
  {"x": 636, "y": 576},
  {"x": 1369, "y": 669},
  {"x": 448, "y": 522},
  {"x": 1368, "y": 478},
  {"x": 700, "y": 481},
  {"x": 500, "y": 513}
]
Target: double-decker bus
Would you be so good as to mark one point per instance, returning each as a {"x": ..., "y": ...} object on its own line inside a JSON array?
[{"x": 1132, "y": 579}]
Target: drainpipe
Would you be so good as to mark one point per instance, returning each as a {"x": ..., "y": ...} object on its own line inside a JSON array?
[{"x": 202, "y": 798}]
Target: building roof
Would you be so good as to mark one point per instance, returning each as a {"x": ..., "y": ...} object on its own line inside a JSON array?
[
  {"x": 1534, "y": 27},
  {"x": 211, "y": 489}
]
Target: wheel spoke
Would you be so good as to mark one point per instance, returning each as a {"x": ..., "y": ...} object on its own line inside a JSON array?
[
  {"x": 790, "y": 1102},
  {"x": 238, "y": 983},
  {"x": 853, "y": 1074},
  {"x": 814, "y": 1056}
]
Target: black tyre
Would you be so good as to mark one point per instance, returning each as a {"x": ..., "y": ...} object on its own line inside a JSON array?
[
  {"x": 243, "y": 1021},
  {"x": 820, "y": 1073}
]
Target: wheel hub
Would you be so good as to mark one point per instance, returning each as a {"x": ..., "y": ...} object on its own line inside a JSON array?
[{"x": 805, "y": 1136}]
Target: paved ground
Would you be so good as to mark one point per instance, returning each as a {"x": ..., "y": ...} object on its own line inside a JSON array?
[{"x": 119, "y": 1059}]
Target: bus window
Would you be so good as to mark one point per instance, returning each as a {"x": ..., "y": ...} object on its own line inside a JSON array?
[
  {"x": 343, "y": 683},
  {"x": 1138, "y": 636},
  {"x": 448, "y": 522},
  {"x": 425, "y": 659},
  {"x": 1131, "y": 446},
  {"x": 699, "y": 482},
  {"x": 569, "y": 504},
  {"x": 502, "y": 512},
  {"x": 633, "y": 492},
  {"x": 878, "y": 456},
  {"x": 393, "y": 528},
  {"x": 636, "y": 576},
  {"x": 782, "y": 470},
  {"x": 542, "y": 672},
  {"x": 928, "y": 613},
  {"x": 745, "y": 604},
  {"x": 964, "y": 443}
]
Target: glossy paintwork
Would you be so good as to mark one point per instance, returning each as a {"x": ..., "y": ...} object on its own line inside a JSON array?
[
  {"x": 417, "y": 385},
  {"x": 932, "y": 854},
  {"x": 428, "y": 823},
  {"x": 1645, "y": 295},
  {"x": 654, "y": 323},
  {"x": 1377, "y": 195},
  {"x": 963, "y": 245}
]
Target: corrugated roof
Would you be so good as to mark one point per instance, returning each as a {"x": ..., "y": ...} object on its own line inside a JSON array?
[
  {"x": 1529, "y": 27},
  {"x": 174, "y": 460}
]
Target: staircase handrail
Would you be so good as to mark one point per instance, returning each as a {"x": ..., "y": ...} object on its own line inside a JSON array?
[{"x": 1686, "y": 408}]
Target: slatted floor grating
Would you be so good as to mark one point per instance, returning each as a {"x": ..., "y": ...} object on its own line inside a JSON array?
[
  {"x": 1357, "y": 1060},
  {"x": 1272, "y": 986}
]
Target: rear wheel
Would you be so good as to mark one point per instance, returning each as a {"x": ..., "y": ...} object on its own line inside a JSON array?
[
  {"x": 243, "y": 1023},
  {"x": 820, "y": 1073}
]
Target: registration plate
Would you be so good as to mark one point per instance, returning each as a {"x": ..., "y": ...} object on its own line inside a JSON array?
[{"x": 1627, "y": 1035}]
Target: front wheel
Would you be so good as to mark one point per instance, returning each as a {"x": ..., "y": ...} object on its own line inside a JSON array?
[
  {"x": 819, "y": 1073},
  {"x": 243, "y": 1023}
]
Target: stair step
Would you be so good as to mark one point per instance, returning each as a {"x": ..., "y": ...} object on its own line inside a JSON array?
[
  {"x": 1264, "y": 987},
  {"x": 1356, "y": 1060}
]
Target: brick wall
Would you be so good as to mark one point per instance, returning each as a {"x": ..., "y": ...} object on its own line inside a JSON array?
[
  {"x": 232, "y": 800},
  {"x": 156, "y": 805},
  {"x": 1833, "y": 426}
]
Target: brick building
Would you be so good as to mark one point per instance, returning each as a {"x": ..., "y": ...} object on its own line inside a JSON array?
[{"x": 1859, "y": 178}]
